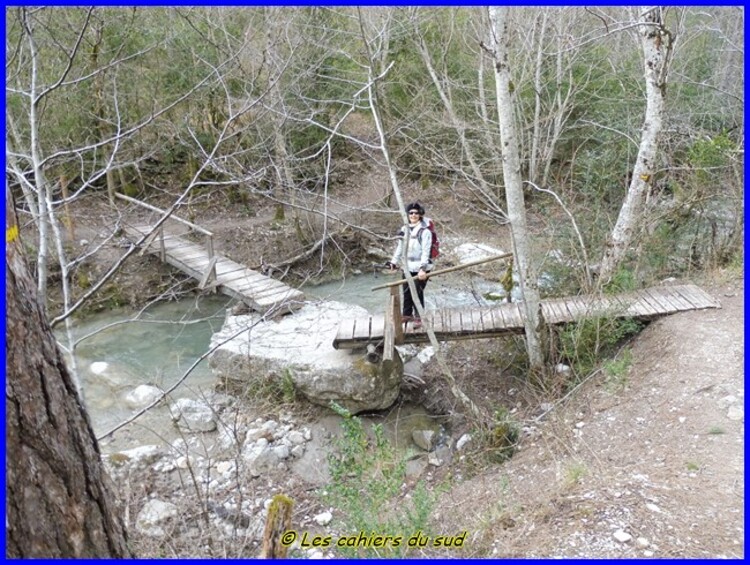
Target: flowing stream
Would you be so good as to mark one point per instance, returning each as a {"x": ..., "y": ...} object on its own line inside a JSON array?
[{"x": 117, "y": 351}]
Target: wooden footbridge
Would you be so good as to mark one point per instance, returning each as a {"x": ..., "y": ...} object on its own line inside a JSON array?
[
  {"x": 263, "y": 293},
  {"x": 505, "y": 319},
  {"x": 213, "y": 271}
]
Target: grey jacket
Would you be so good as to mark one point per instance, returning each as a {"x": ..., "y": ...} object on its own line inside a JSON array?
[{"x": 418, "y": 252}]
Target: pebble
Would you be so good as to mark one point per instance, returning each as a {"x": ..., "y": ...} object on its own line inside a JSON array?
[
  {"x": 462, "y": 441},
  {"x": 622, "y": 536},
  {"x": 323, "y": 519}
]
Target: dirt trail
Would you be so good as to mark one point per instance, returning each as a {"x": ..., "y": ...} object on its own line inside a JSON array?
[{"x": 650, "y": 465}]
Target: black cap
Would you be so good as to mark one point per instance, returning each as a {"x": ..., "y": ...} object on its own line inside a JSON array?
[{"x": 415, "y": 206}]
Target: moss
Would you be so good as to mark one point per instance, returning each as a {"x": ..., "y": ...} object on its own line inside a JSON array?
[
  {"x": 118, "y": 459},
  {"x": 366, "y": 368}
]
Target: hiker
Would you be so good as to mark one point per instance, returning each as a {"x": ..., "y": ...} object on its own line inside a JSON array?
[{"x": 418, "y": 258}]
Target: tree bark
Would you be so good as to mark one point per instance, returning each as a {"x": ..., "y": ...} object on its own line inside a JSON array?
[
  {"x": 657, "y": 48},
  {"x": 514, "y": 189},
  {"x": 57, "y": 501}
]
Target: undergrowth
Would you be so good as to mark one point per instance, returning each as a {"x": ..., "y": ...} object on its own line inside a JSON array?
[{"x": 367, "y": 475}]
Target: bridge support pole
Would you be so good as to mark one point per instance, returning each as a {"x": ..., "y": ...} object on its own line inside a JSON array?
[
  {"x": 395, "y": 305},
  {"x": 163, "y": 249}
]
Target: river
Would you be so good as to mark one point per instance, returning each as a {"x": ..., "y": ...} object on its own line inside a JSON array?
[{"x": 118, "y": 350}]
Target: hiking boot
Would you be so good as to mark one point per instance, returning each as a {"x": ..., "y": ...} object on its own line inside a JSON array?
[{"x": 416, "y": 323}]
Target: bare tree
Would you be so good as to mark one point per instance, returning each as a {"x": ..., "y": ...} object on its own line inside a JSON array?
[
  {"x": 657, "y": 43},
  {"x": 466, "y": 402},
  {"x": 58, "y": 502},
  {"x": 514, "y": 187}
]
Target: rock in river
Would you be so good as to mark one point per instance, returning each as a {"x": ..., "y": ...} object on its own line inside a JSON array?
[{"x": 299, "y": 346}]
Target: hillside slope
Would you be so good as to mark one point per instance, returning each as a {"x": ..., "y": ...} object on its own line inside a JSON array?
[{"x": 650, "y": 465}]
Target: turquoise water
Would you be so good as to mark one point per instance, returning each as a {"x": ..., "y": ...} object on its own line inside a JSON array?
[
  {"x": 444, "y": 291},
  {"x": 118, "y": 350}
]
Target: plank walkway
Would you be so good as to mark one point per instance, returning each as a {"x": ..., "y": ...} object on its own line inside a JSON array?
[
  {"x": 504, "y": 319},
  {"x": 258, "y": 291}
]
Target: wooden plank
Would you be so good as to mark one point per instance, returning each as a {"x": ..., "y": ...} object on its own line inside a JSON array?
[
  {"x": 549, "y": 311},
  {"x": 554, "y": 311},
  {"x": 679, "y": 299},
  {"x": 464, "y": 322},
  {"x": 675, "y": 297},
  {"x": 630, "y": 304},
  {"x": 662, "y": 304},
  {"x": 565, "y": 311},
  {"x": 226, "y": 267},
  {"x": 242, "y": 273},
  {"x": 255, "y": 288},
  {"x": 515, "y": 315},
  {"x": 612, "y": 306},
  {"x": 483, "y": 319},
  {"x": 674, "y": 304},
  {"x": 454, "y": 321},
  {"x": 377, "y": 326},
  {"x": 642, "y": 306},
  {"x": 187, "y": 254},
  {"x": 706, "y": 300},
  {"x": 270, "y": 289},
  {"x": 209, "y": 273},
  {"x": 362, "y": 328},
  {"x": 507, "y": 313},
  {"x": 565, "y": 314},
  {"x": 490, "y": 320},
  {"x": 695, "y": 296},
  {"x": 289, "y": 302},
  {"x": 580, "y": 308},
  {"x": 499, "y": 316},
  {"x": 344, "y": 333},
  {"x": 685, "y": 295},
  {"x": 445, "y": 321}
]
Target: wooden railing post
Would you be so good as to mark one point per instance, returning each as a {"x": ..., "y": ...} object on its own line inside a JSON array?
[
  {"x": 210, "y": 273},
  {"x": 161, "y": 244},
  {"x": 396, "y": 312},
  {"x": 211, "y": 262}
]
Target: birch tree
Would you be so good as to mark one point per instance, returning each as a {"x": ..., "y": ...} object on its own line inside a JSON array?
[
  {"x": 500, "y": 38},
  {"x": 657, "y": 43}
]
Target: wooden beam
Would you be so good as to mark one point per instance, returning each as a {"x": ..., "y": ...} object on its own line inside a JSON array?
[
  {"x": 447, "y": 270},
  {"x": 209, "y": 274}
]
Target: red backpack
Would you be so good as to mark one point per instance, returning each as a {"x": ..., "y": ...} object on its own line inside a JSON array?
[{"x": 435, "y": 248}]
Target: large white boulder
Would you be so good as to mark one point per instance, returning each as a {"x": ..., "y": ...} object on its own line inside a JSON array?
[{"x": 300, "y": 347}]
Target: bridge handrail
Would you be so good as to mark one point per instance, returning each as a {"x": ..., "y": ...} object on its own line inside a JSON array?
[
  {"x": 446, "y": 270},
  {"x": 211, "y": 271},
  {"x": 196, "y": 227}
]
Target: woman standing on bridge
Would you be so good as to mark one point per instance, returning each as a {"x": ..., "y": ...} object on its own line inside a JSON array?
[{"x": 418, "y": 261}]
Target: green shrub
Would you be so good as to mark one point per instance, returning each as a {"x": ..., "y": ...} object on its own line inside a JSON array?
[
  {"x": 501, "y": 439},
  {"x": 586, "y": 342},
  {"x": 366, "y": 478}
]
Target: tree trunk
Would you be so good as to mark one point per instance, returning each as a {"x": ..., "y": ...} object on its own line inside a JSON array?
[
  {"x": 57, "y": 501},
  {"x": 514, "y": 189},
  {"x": 657, "y": 48}
]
